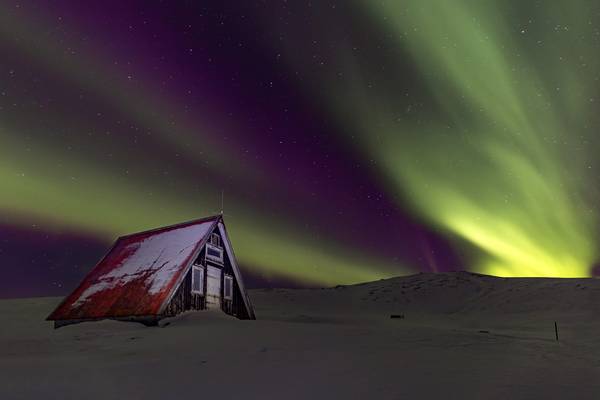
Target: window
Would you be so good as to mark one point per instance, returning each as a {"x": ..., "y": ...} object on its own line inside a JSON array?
[
  {"x": 228, "y": 289},
  {"x": 214, "y": 254},
  {"x": 215, "y": 240},
  {"x": 198, "y": 279}
]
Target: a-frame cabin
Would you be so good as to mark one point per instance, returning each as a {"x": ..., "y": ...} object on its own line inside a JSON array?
[{"x": 159, "y": 273}]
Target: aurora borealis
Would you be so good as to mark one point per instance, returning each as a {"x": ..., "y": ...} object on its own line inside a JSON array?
[{"x": 351, "y": 141}]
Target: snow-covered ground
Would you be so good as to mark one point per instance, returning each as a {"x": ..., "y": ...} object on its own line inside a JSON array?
[{"x": 463, "y": 336}]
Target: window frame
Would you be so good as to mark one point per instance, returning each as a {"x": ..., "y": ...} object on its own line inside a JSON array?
[
  {"x": 209, "y": 257},
  {"x": 215, "y": 240},
  {"x": 230, "y": 279},
  {"x": 202, "y": 273}
]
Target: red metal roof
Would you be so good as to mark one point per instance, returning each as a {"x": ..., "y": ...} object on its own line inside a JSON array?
[{"x": 138, "y": 274}]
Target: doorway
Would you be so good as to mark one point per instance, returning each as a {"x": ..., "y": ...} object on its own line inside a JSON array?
[{"x": 213, "y": 287}]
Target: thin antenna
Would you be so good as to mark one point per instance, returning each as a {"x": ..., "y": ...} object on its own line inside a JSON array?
[{"x": 222, "y": 201}]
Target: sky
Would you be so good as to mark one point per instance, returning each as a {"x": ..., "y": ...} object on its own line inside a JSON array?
[{"x": 344, "y": 141}]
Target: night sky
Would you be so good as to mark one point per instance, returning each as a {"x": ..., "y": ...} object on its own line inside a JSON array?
[{"x": 345, "y": 141}]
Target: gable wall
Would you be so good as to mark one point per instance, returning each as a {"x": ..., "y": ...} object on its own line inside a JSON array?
[{"x": 184, "y": 299}]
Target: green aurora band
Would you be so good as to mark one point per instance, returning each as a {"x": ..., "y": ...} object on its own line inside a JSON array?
[
  {"x": 37, "y": 193},
  {"x": 480, "y": 115},
  {"x": 504, "y": 164}
]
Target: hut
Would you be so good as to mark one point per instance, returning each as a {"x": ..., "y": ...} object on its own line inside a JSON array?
[{"x": 160, "y": 273}]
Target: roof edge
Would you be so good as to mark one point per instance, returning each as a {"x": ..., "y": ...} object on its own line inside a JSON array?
[
  {"x": 180, "y": 224},
  {"x": 236, "y": 269}
]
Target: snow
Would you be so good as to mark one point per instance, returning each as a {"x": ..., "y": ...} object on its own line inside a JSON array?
[
  {"x": 464, "y": 336},
  {"x": 90, "y": 291},
  {"x": 158, "y": 257}
]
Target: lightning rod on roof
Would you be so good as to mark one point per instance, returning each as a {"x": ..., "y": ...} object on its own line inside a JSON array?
[{"x": 222, "y": 200}]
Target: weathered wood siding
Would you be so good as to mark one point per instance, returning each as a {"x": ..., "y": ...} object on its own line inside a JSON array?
[
  {"x": 184, "y": 299},
  {"x": 235, "y": 306}
]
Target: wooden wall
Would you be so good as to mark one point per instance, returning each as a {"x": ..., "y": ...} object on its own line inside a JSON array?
[{"x": 185, "y": 300}]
